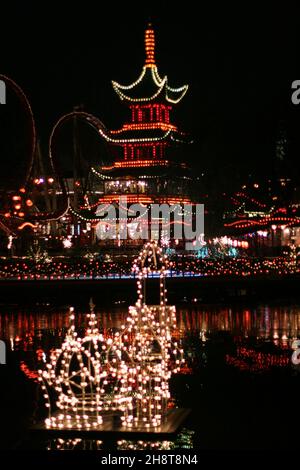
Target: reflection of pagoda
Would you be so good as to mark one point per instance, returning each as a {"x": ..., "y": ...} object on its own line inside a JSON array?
[{"x": 143, "y": 171}]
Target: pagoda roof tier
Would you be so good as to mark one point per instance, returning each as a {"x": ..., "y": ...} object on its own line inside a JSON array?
[
  {"x": 150, "y": 87},
  {"x": 141, "y": 167},
  {"x": 90, "y": 215},
  {"x": 145, "y": 199},
  {"x": 146, "y": 169},
  {"x": 145, "y": 126},
  {"x": 143, "y": 133}
]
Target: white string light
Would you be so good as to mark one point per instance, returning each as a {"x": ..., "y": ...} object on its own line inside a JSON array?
[
  {"x": 129, "y": 371},
  {"x": 150, "y": 72}
]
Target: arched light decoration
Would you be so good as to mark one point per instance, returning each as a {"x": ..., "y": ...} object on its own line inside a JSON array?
[
  {"x": 83, "y": 374},
  {"x": 129, "y": 371}
]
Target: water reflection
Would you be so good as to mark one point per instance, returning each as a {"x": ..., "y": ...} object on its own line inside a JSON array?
[
  {"x": 37, "y": 333},
  {"x": 184, "y": 440},
  {"x": 277, "y": 324},
  {"x": 217, "y": 340}
]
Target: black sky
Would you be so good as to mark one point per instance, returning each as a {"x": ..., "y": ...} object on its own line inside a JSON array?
[{"x": 239, "y": 61}]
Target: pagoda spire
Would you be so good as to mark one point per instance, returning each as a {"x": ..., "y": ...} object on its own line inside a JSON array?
[{"x": 150, "y": 46}]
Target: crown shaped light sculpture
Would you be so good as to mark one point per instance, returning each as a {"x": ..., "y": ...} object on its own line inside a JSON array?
[{"x": 128, "y": 372}]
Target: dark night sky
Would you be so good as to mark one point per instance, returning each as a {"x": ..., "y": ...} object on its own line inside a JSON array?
[{"x": 239, "y": 62}]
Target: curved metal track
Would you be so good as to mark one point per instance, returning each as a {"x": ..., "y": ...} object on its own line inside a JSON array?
[
  {"x": 88, "y": 118},
  {"x": 20, "y": 93}
]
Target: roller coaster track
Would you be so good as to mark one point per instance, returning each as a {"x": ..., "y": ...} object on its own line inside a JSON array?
[
  {"x": 27, "y": 108},
  {"x": 86, "y": 117},
  {"x": 89, "y": 119}
]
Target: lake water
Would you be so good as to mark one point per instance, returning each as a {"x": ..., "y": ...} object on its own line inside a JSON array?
[{"x": 238, "y": 378}]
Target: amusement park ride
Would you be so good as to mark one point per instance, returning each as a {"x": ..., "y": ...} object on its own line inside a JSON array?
[
  {"x": 145, "y": 172},
  {"x": 59, "y": 199}
]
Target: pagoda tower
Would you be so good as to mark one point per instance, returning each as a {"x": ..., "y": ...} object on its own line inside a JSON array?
[
  {"x": 150, "y": 99},
  {"x": 144, "y": 170}
]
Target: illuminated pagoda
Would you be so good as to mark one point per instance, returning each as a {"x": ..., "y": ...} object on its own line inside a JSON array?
[
  {"x": 144, "y": 140},
  {"x": 145, "y": 170}
]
